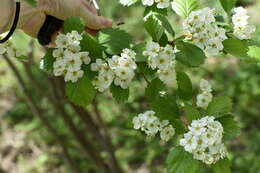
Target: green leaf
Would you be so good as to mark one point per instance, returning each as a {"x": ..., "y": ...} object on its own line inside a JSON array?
[
  {"x": 222, "y": 166},
  {"x": 114, "y": 40},
  {"x": 154, "y": 27},
  {"x": 180, "y": 161},
  {"x": 48, "y": 60},
  {"x": 165, "y": 106},
  {"x": 145, "y": 69},
  {"x": 74, "y": 24},
  {"x": 139, "y": 48},
  {"x": 231, "y": 127},
  {"x": 82, "y": 92},
  {"x": 90, "y": 44},
  {"x": 236, "y": 47},
  {"x": 121, "y": 95},
  {"x": 153, "y": 8},
  {"x": 254, "y": 53},
  {"x": 184, "y": 86},
  {"x": 165, "y": 23},
  {"x": 184, "y": 7},
  {"x": 190, "y": 54},
  {"x": 191, "y": 112},
  {"x": 179, "y": 127},
  {"x": 219, "y": 106},
  {"x": 228, "y": 5},
  {"x": 33, "y": 3}
]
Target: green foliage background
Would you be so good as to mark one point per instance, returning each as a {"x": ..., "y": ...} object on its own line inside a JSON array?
[{"x": 236, "y": 79}]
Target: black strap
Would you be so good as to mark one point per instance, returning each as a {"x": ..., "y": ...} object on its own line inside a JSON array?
[
  {"x": 50, "y": 26},
  {"x": 16, "y": 19}
]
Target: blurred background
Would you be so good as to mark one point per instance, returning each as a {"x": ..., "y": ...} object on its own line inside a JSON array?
[{"x": 27, "y": 146}]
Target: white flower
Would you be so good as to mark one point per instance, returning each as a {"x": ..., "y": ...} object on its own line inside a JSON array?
[
  {"x": 204, "y": 140},
  {"x": 162, "y": 3},
  {"x": 62, "y": 41},
  {"x": 84, "y": 57},
  {"x": 205, "y": 86},
  {"x": 148, "y": 2},
  {"x": 167, "y": 75},
  {"x": 199, "y": 26},
  {"x": 151, "y": 125},
  {"x": 242, "y": 29},
  {"x": 140, "y": 121},
  {"x": 73, "y": 76},
  {"x": 204, "y": 99},
  {"x": 167, "y": 132},
  {"x": 189, "y": 142},
  {"x": 103, "y": 81},
  {"x": 74, "y": 38},
  {"x": 59, "y": 53},
  {"x": 152, "y": 49},
  {"x": 69, "y": 59}
]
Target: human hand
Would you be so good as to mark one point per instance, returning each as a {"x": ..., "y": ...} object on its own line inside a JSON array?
[
  {"x": 63, "y": 9},
  {"x": 32, "y": 19}
]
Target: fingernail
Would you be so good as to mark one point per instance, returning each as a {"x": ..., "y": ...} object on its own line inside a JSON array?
[{"x": 107, "y": 22}]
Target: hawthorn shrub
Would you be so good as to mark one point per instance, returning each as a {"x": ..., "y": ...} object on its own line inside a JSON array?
[{"x": 112, "y": 60}]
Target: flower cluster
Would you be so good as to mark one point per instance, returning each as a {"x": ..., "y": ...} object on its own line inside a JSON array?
[
  {"x": 242, "y": 29},
  {"x": 8, "y": 49},
  {"x": 204, "y": 140},
  {"x": 151, "y": 125},
  {"x": 162, "y": 59},
  {"x": 119, "y": 69},
  {"x": 205, "y": 97},
  {"x": 160, "y": 3},
  {"x": 68, "y": 58},
  {"x": 200, "y": 27}
]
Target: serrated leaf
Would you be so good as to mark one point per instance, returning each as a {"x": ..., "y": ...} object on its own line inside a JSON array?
[
  {"x": 74, "y": 24},
  {"x": 153, "y": 8},
  {"x": 165, "y": 23},
  {"x": 121, "y": 95},
  {"x": 184, "y": 7},
  {"x": 219, "y": 106},
  {"x": 231, "y": 127},
  {"x": 82, "y": 92},
  {"x": 145, "y": 69},
  {"x": 48, "y": 60},
  {"x": 190, "y": 54},
  {"x": 184, "y": 86},
  {"x": 114, "y": 40},
  {"x": 228, "y": 5},
  {"x": 90, "y": 44},
  {"x": 165, "y": 106},
  {"x": 154, "y": 28},
  {"x": 254, "y": 53},
  {"x": 222, "y": 166},
  {"x": 180, "y": 161},
  {"x": 236, "y": 47},
  {"x": 191, "y": 112}
]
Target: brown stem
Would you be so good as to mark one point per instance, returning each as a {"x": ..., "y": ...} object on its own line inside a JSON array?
[
  {"x": 37, "y": 112},
  {"x": 108, "y": 145}
]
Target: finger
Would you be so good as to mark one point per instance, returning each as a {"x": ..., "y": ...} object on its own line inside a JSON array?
[{"x": 94, "y": 21}]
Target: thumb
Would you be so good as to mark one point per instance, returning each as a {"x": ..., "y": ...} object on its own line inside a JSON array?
[{"x": 93, "y": 21}]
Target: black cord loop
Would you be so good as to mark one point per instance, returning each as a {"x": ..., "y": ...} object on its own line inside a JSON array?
[{"x": 16, "y": 19}]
